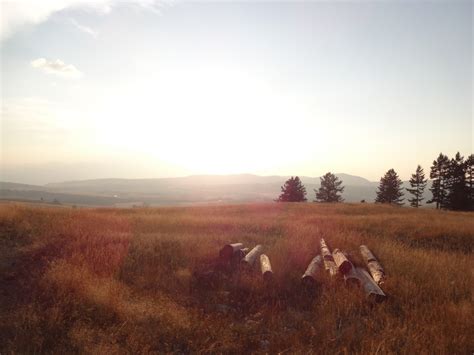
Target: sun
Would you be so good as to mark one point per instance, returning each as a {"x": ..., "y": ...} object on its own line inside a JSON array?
[{"x": 214, "y": 121}]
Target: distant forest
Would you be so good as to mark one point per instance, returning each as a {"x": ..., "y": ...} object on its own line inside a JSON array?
[{"x": 451, "y": 185}]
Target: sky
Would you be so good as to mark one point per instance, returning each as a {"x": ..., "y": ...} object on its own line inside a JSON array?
[{"x": 143, "y": 88}]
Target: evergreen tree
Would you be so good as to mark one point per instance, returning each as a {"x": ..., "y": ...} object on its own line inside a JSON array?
[
  {"x": 456, "y": 184},
  {"x": 470, "y": 180},
  {"x": 418, "y": 184},
  {"x": 330, "y": 189},
  {"x": 292, "y": 191},
  {"x": 390, "y": 189},
  {"x": 438, "y": 174}
]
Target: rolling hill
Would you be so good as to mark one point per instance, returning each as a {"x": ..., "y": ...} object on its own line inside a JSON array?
[{"x": 180, "y": 190}]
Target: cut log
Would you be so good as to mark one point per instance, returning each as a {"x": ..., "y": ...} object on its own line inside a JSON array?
[
  {"x": 238, "y": 255},
  {"x": 266, "y": 268},
  {"x": 249, "y": 259},
  {"x": 331, "y": 267},
  {"x": 352, "y": 278},
  {"x": 328, "y": 260},
  {"x": 375, "y": 269},
  {"x": 372, "y": 290},
  {"x": 309, "y": 277},
  {"x": 325, "y": 252},
  {"x": 367, "y": 254},
  {"x": 343, "y": 264},
  {"x": 228, "y": 251}
]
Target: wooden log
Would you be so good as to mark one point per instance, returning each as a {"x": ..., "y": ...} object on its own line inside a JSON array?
[
  {"x": 228, "y": 251},
  {"x": 328, "y": 259},
  {"x": 331, "y": 267},
  {"x": 375, "y": 269},
  {"x": 343, "y": 264},
  {"x": 309, "y": 277},
  {"x": 266, "y": 268},
  {"x": 325, "y": 252},
  {"x": 352, "y": 278},
  {"x": 377, "y": 272},
  {"x": 252, "y": 255},
  {"x": 237, "y": 257},
  {"x": 367, "y": 254},
  {"x": 372, "y": 290}
]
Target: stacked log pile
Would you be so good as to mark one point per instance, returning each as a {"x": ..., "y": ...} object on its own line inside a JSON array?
[
  {"x": 234, "y": 257},
  {"x": 337, "y": 262},
  {"x": 237, "y": 256}
]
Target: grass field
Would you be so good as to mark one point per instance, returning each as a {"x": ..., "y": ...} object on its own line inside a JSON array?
[{"x": 121, "y": 280}]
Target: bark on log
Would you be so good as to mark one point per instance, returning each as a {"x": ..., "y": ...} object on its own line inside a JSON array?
[
  {"x": 352, "y": 278},
  {"x": 343, "y": 264},
  {"x": 309, "y": 277},
  {"x": 329, "y": 263},
  {"x": 228, "y": 251},
  {"x": 373, "y": 291},
  {"x": 375, "y": 269},
  {"x": 266, "y": 268},
  {"x": 325, "y": 252},
  {"x": 252, "y": 255},
  {"x": 367, "y": 254},
  {"x": 331, "y": 267}
]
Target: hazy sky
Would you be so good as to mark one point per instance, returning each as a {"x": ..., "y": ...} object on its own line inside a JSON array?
[{"x": 150, "y": 89}]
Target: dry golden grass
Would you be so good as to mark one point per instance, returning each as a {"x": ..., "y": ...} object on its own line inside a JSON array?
[{"x": 120, "y": 281}]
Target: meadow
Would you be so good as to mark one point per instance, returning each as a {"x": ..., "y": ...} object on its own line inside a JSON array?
[{"x": 121, "y": 280}]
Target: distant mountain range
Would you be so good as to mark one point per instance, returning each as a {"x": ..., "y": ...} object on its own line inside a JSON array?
[{"x": 194, "y": 189}]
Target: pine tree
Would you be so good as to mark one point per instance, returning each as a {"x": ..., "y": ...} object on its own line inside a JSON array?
[
  {"x": 470, "y": 180},
  {"x": 456, "y": 184},
  {"x": 292, "y": 191},
  {"x": 438, "y": 174},
  {"x": 330, "y": 189},
  {"x": 418, "y": 184},
  {"x": 390, "y": 189}
]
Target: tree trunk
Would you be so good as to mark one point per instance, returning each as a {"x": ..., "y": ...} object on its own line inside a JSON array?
[
  {"x": 328, "y": 259},
  {"x": 228, "y": 251},
  {"x": 343, "y": 264},
  {"x": 325, "y": 252},
  {"x": 372, "y": 290},
  {"x": 266, "y": 268},
  {"x": 249, "y": 259},
  {"x": 352, "y": 278},
  {"x": 375, "y": 269},
  {"x": 331, "y": 267},
  {"x": 237, "y": 257},
  {"x": 309, "y": 277},
  {"x": 366, "y": 254}
]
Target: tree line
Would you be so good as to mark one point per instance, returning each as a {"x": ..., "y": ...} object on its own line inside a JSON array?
[{"x": 452, "y": 186}]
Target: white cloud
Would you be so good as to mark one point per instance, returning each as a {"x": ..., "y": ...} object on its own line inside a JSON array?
[
  {"x": 83, "y": 28},
  {"x": 57, "y": 67},
  {"x": 16, "y": 14}
]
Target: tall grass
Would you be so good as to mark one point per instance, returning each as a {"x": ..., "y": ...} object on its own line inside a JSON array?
[{"x": 121, "y": 281}]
